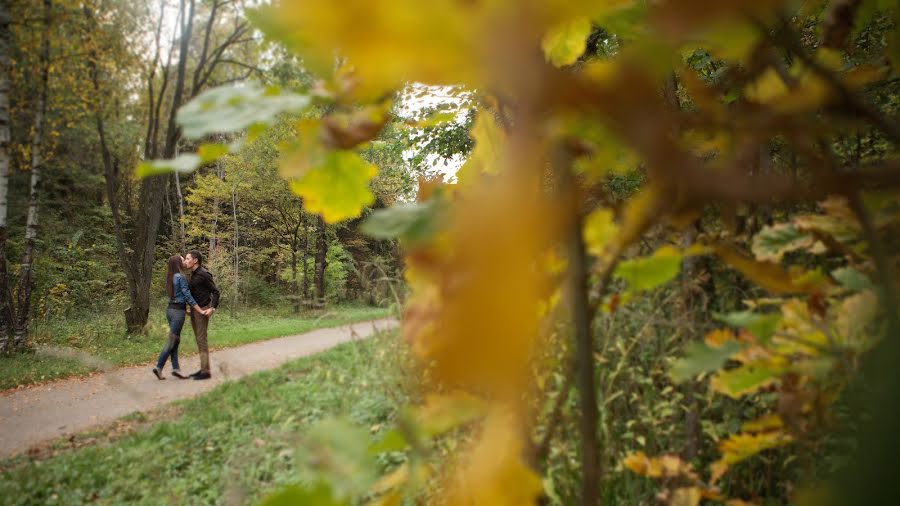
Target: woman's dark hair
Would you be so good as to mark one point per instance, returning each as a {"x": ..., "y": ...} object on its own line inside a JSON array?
[
  {"x": 197, "y": 256},
  {"x": 174, "y": 266}
]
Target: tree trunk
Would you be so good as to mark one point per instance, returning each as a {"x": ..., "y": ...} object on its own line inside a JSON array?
[
  {"x": 183, "y": 243},
  {"x": 110, "y": 172},
  {"x": 295, "y": 287},
  {"x": 305, "y": 247},
  {"x": 31, "y": 223},
  {"x": 5, "y": 48},
  {"x": 172, "y": 225},
  {"x": 321, "y": 262},
  {"x": 237, "y": 257},
  {"x": 152, "y": 194}
]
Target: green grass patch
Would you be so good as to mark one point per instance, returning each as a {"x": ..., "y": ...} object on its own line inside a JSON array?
[
  {"x": 232, "y": 445},
  {"x": 103, "y": 337}
]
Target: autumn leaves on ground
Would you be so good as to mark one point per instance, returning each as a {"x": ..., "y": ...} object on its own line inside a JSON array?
[{"x": 644, "y": 252}]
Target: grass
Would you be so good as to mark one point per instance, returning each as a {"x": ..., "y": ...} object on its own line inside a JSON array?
[
  {"x": 102, "y": 338},
  {"x": 231, "y": 445}
]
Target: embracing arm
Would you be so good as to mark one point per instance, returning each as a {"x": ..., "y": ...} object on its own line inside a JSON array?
[
  {"x": 213, "y": 290},
  {"x": 182, "y": 287}
]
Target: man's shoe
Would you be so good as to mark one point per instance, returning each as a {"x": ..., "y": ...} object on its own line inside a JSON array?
[
  {"x": 178, "y": 374},
  {"x": 158, "y": 374},
  {"x": 196, "y": 374},
  {"x": 203, "y": 376}
]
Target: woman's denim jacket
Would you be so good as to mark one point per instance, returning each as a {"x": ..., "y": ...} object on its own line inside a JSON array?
[{"x": 181, "y": 291}]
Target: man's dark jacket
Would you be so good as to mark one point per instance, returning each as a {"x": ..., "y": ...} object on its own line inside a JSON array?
[{"x": 203, "y": 288}]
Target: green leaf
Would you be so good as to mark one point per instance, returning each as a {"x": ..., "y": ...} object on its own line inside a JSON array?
[
  {"x": 700, "y": 358},
  {"x": 744, "y": 380},
  {"x": 392, "y": 441},
  {"x": 318, "y": 495},
  {"x": 762, "y": 326},
  {"x": 187, "y": 162},
  {"x": 335, "y": 456},
  {"x": 563, "y": 44},
  {"x": 211, "y": 152},
  {"x": 445, "y": 412},
  {"x": 415, "y": 223},
  {"x": 852, "y": 279},
  {"x": 772, "y": 242},
  {"x": 338, "y": 188},
  {"x": 648, "y": 272},
  {"x": 234, "y": 108}
]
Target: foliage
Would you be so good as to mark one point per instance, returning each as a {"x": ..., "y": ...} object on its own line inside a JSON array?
[{"x": 702, "y": 134}]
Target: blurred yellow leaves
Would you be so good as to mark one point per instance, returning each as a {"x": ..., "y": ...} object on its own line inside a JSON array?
[
  {"x": 664, "y": 466},
  {"x": 493, "y": 471},
  {"x": 479, "y": 325},
  {"x": 769, "y": 275},
  {"x": 564, "y": 43},
  {"x": 800, "y": 89},
  {"x": 386, "y": 42},
  {"x": 437, "y": 42}
]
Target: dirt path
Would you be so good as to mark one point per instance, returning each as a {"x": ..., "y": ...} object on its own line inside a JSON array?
[{"x": 36, "y": 414}]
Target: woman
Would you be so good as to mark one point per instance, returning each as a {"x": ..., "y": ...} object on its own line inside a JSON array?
[{"x": 179, "y": 297}]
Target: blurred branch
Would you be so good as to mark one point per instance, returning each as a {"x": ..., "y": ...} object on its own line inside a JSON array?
[
  {"x": 787, "y": 38},
  {"x": 582, "y": 316}
]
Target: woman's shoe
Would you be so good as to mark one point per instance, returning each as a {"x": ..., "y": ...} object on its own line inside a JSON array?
[
  {"x": 178, "y": 374},
  {"x": 158, "y": 374}
]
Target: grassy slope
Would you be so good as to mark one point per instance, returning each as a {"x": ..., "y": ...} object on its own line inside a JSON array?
[
  {"x": 102, "y": 336},
  {"x": 231, "y": 445}
]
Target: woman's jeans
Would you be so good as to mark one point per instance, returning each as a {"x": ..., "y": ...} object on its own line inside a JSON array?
[{"x": 176, "y": 322}]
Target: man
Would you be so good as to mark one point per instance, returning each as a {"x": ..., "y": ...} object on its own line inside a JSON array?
[{"x": 207, "y": 296}]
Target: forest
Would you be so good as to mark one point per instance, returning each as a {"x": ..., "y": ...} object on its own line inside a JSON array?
[{"x": 464, "y": 252}]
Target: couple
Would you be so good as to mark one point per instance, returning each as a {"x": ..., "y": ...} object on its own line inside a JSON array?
[{"x": 201, "y": 294}]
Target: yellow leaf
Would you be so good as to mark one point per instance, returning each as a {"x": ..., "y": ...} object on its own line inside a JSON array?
[
  {"x": 668, "y": 466},
  {"x": 742, "y": 446},
  {"x": 746, "y": 379},
  {"x": 768, "y": 275},
  {"x": 599, "y": 231},
  {"x": 718, "y": 337},
  {"x": 766, "y": 88},
  {"x": 640, "y": 464},
  {"x": 716, "y": 470},
  {"x": 493, "y": 471},
  {"x": 732, "y": 40},
  {"x": 764, "y": 423},
  {"x": 638, "y": 214},
  {"x": 685, "y": 496},
  {"x": 564, "y": 43},
  {"x": 485, "y": 156},
  {"x": 338, "y": 189}
]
